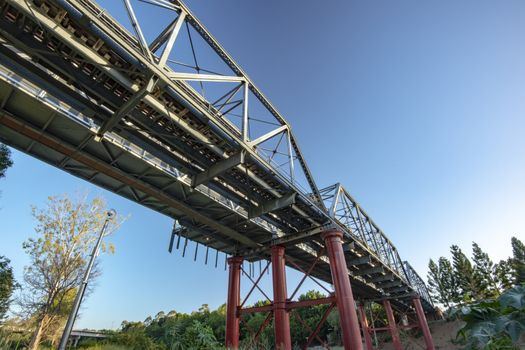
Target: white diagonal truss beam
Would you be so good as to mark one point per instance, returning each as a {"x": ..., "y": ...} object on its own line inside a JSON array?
[
  {"x": 171, "y": 40},
  {"x": 268, "y": 135},
  {"x": 162, "y": 3},
  {"x": 205, "y": 77},
  {"x": 138, "y": 31}
]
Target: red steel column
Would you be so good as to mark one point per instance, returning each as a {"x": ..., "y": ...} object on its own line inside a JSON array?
[
  {"x": 364, "y": 327},
  {"x": 423, "y": 324},
  {"x": 234, "y": 299},
  {"x": 281, "y": 318},
  {"x": 343, "y": 291},
  {"x": 392, "y": 325}
]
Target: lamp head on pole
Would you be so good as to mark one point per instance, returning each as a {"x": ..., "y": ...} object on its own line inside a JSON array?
[{"x": 111, "y": 213}]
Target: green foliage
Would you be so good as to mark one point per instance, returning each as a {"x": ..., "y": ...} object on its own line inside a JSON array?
[
  {"x": 468, "y": 281},
  {"x": 464, "y": 281},
  {"x": 12, "y": 341},
  {"x": 504, "y": 274},
  {"x": 136, "y": 340},
  {"x": 442, "y": 282},
  {"x": 205, "y": 329},
  {"x": 310, "y": 316},
  {"x": 518, "y": 260},
  {"x": 105, "y": 347},
  {"x": 5, "y": 159},
  {"x": 495, "y": 324},
  {"x": 485, "y": 272},
  {"x": 7, "y": 285},
  {"x": 65, "y": 233},
  {"x": 200, "y": 336}
]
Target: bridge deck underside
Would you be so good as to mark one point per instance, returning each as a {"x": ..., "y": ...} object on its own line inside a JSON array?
[
  {"x": 42, "y": 132},
  {"x": 152, "y": 154}
]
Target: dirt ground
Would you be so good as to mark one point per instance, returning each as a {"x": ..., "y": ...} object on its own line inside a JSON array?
[{"x": 442, "y": 333}]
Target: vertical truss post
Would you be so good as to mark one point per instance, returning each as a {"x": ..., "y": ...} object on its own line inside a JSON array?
[
  {"x": 364, "y": 327},
  {"x": 343, "y": 291},
  {"x": 245, "y": 113},
  {"x": 234, "y": 300},
  {"x": 423, "y": 324},
  {"x": 394, "y": 332},
  {"x": 290, "y": 154},
  {"x": 281, "y": 316}
]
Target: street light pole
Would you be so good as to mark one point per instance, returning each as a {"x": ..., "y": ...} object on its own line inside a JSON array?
[{"x": 83, "y": 286}]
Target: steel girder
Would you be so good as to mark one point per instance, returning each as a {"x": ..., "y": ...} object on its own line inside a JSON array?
[{"x": 165, "y": 146}]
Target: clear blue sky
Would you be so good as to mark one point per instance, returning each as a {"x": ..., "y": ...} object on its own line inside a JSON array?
[{"x": 418, "y": 108}]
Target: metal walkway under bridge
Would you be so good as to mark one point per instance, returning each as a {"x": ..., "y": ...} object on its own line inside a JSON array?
[{"x": 148, "y": 117}]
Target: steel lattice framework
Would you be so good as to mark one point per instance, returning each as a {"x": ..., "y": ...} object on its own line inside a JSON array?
[{"x": 201, "y": 145}]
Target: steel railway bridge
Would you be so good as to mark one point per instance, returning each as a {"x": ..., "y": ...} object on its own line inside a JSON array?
[{"x": 81, "y": 92}]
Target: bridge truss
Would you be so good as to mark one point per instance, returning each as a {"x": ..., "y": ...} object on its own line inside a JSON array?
[{"x": 194, "y": 139}]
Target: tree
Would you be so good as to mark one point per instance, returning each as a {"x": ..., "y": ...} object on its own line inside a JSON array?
[
  {"x": 464, "y": 274},
  {"x": 200, "y": 336},
  {"x": 484, "y": 272},
  {"x": 434, "y": 283},
  {"x": 136, "y": 339},
  {"x": 217, "y": 321},
  {"x": 504, "y": 274},
  {"x": 65, "y": 233},
  {"x": 442, "y": 282},
  {"x": 7, "y": 285},
  {"x": 518, "y": 260},
  {"x": 5, "y": 159},
  {"x": 303, "y": 320}
]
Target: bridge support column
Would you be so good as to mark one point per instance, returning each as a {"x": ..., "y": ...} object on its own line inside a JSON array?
[
  {"x": 233, "y": 303},
  {"x": 281, "y": 318},
  {"x": 394, "y": 332},
  {"x": 423, "y": 324},
  {"x": 343, "y": 291},
  {"x": 365, "y": 328}
]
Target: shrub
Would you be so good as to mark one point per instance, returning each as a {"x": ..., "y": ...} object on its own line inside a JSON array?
[{"x": 494, "y": 324}]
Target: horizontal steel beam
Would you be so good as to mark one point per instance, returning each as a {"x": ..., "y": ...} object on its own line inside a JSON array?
[
  {"x": 360, "y": 261},
  {"x": 398, "y": 289},
  {"x": 288, "y": 240},
  {"x": 371, "y": 271},
  {"x": 218, "y": 168},
  {"x": 272, "y": 205},
  {"x": 390, "y": 284},
  {"x": 128, "y": 106},
  {"x": 387, "y": 277},
  {"x": 290, "y": 305}
]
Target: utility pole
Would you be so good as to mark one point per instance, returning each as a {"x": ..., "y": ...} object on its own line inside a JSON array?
[{"x": 82, "y": 289}]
